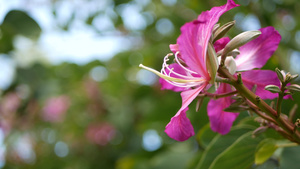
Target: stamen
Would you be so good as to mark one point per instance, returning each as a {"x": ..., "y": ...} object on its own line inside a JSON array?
[
  {"x": 168, "y": 77},
  {"x": 185, "y": 80},
  {"x": 176, "y": 58}
]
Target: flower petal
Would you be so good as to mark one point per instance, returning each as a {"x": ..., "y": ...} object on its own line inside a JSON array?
[
  {"x": 261, "y": 78},
  {"x": 167, "y": 85},
  {"x": 221, "y": 43},
  {"x": 195, "y": 36},
  {"x": 174, "y": 48},
  {"x": 256, "y": 53},
  {"x": 180, "y": 127},
  {"x": 221, "y": 121}
]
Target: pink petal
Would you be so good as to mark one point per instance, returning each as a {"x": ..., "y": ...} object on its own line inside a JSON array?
[
  {"x": 195, "y": 36},
  {"x": 256, "y": 53},
  {"x": 221, "y": 121},
  {"x": 180, "y": 127},
  {"x": 261, "y": 78},
  {"x": 221, "y": 43},
  {"x": 167, "y": 85},
  {"x": 174, "y": 48}
]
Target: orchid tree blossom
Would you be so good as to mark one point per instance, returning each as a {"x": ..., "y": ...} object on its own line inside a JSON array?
[
  {"x": 252, "y": 55},
  {"x": 190, "y": 73}
]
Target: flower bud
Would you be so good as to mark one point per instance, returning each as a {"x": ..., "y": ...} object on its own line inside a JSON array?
[
  {"x": 259, "y": 131},
  {"x": 199, "y": 103},
  {"x": 280, "y": 75},
  {"x": 221, "y": 31},
  {"x": 233, "y": 53},
  {"x": 216, "y": 27},
  {"x": 290, "y": 77},
  {"x": 212, "y": 62},
  {"x": 273, "y": 88},
  {"x": 293, "y": 88},
  {"x": 230, "y": 64},
  {"x": 240, "y": 40}
]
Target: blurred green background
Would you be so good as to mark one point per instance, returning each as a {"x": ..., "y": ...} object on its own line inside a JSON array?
[{"x": 72, "y": 95}]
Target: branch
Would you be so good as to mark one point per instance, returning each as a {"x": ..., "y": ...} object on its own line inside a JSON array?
[{"x": 285, "y": 124}]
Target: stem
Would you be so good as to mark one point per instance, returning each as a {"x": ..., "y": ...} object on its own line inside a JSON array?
[
  {"x": 262, "y": 115},
  {"x": 287, "y": 145},
  {"x": 280, "y": 99},
  {"x": 293, "y": 112},
  {"x": 223, "y": 80},
  {"x": 262, "y": 105},
  {"x": 217, "y": 96}
]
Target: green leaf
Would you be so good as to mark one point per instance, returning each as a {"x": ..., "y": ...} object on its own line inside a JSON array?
[
  {"x": 290, "y": 158},
  {"x": 239, "y": 155},
  {"x": 265, "y": 150},
  {"x": 249, "y": 121},
  {"x": 205, "y": 135},
  {"x": 221, "y": 143},
  {"x": 19, "y": 22}
]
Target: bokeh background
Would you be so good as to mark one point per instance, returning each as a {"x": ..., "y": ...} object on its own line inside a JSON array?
[{"x": 73, "y": 96}]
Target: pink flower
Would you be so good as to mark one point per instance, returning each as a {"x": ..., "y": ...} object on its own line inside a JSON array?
[
  {"x": 55, "y": 108},
  {"x": 9, "y": 104},
  {"x": 252, "y": 55},
  {"x": 189, "y": 74},
  {"x": 101, "y": 133}
]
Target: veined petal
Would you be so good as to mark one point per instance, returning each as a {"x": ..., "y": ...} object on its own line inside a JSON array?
[
  {"x": 195, "y": 36},
  {"x": 221, "y": 43},
  {"x": 261, "y": 78},
  {"x": 256, "y": 53},
  {"x": 221, "y": 121},
  {"x": 180, "y": 127},
  {"x": 190, "y": 50}
]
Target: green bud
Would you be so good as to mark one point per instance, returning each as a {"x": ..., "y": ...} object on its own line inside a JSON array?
[
  {"x": 237, "y": 102},
  {"x": 254, "y": 88},
  {"x": 289, "y": 77},
  {"x": 220, "y": 32},
  {"x": 297, "y": 123},
  {"x": 234, "y": 53},
  {"x": 292, "y": 112},
  {"x": 216, "y": 27},
  {"x": 280, "y": 75},
  {"x": 199, "y": 103},
  {"x": 288, "y": 93},
  {"x": 293, "y": 77},
  {"x": 273, "y": 88},
  {"x": 240, "y": 40},
  {"x": 212, "y": 62},
  {"x": 293, "y": 88},
  {"x": 259, "y": 131}
]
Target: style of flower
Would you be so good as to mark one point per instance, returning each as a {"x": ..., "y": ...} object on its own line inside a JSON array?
[
  {"x": 190, "y": 72},
  {"x": 252, "y": 55}
]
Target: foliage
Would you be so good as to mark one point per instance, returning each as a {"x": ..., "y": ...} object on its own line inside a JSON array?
[{"x": 101, "y": 118}]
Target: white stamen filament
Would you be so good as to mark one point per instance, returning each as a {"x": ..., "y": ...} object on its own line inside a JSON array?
[
  {"x": 184, "y": 80},
  {"x": 176, "y": 58}
]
